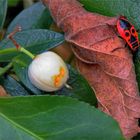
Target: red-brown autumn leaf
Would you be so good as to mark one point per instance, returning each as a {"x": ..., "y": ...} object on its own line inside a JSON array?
[{"x": 110, "y": 73}]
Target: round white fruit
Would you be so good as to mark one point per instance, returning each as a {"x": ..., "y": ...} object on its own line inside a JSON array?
[{"x": 48, "y": 72}]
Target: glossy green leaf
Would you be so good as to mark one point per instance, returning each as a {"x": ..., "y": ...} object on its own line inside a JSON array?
[
  {"x": 54, "y": 118},
  {"x": 80, "y": 88},
  {"x": 21, "y": 63},
  {"x": 3, "y": 10},
  {"x": 35, "y": 40},
  {"x": 13, "y": 87},
  {"x": 45, "y": 20},
  {"x": 128, "y": 8},
  {"x": 33, "y": 17}
]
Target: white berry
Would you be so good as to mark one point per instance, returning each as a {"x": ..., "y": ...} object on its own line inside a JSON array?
[{"x": 48, "y": 72}]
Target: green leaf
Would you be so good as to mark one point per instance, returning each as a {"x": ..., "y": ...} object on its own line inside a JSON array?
[
  {"x": 13, "y": 87},
  {"x": 128, "y": 8},
  {"x": 80, "y": 88},
  {"x": 21, "y": 63},
  {"x": 3, "y": 10},
  {"x": 12, "y": 2},
  {"x": 35, "y": 40},
  {"x": 54, "y": 118},
  {"x": 33, "y": 17},
  {"x": 45, "y": 20}
]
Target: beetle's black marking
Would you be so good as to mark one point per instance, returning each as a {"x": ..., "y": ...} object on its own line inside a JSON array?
[
  {"x": 132, "y": 39},
  {"x": 127, "y": 34},
  {"x": 135, "y": 44},
  {"x": 125, "y": 24}
]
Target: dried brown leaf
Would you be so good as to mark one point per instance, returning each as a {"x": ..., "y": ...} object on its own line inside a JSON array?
[{"x": 110, "y": 73}]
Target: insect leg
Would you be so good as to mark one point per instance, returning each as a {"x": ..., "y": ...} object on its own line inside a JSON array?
[
  {"x": 138, "y": 30},
  {"x": 119, "y": 48},
  {"x": 120, "y": 37}
]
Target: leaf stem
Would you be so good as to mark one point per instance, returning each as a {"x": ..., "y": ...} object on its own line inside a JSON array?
[
  {"x": 6, "y": 68},
  {"x": 7, "y": 51},
  {"x": 21, "y": 49}
]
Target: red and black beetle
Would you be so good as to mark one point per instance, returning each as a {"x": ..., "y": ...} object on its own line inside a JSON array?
[{"x": 128, "y": 32}]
